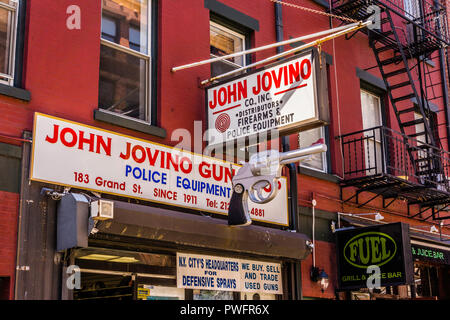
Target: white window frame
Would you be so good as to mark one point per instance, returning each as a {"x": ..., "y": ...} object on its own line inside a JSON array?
[
  {"x": 322, "y": 154},
  {"x": 412, "y": 8},
  {"x": 12, "y": 36},
  {"x": 234, "y": 33},
  {"x": 377, "y": 143},
  {"x": 147, "y": 57}
]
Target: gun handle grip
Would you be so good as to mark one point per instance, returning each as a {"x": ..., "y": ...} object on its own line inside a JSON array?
[{"x": 238, "y": 210}]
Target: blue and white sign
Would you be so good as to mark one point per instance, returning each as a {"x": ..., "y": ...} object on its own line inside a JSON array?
[{"x": 227, "y": 274}]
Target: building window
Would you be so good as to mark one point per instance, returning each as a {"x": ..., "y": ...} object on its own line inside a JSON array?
[
  {"x": 412, "y": 8},
  {"x": 109, "y": 29},
  {"x": 8, "y": 30},
  {"x": 224, "y": 41},
  {"x": 307, "y": 138},
  {"x": 124, "y": 84},
  {"x": 372, "y": 118}
]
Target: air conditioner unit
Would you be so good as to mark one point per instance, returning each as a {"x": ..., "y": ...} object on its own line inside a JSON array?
[{"x": 102, "y": 210}]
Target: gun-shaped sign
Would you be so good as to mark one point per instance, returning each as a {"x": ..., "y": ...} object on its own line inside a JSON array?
[{"x": 262, "y": 170}]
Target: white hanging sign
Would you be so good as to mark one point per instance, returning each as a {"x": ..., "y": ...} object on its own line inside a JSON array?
[
  {"x": 228, "y": 274},
  {"x": 286, "y": 97},
  {"x": 80, "y": 156}
]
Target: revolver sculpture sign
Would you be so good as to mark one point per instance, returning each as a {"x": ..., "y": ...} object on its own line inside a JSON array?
[{"x": 262, "y": 170}]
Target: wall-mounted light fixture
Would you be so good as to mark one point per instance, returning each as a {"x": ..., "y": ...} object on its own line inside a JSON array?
[
  {"x": 434, "y": 229},
  {"x": 431, "y": 229},
  {"x": 377, "y": 215},
  {"x": 320, "y": 276},
  {"x": 317, "y": 275}
]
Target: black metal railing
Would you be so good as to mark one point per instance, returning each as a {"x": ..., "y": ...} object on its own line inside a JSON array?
[
  {"x": 382, "y": 151},
  {"x": 429, "y": 16}
]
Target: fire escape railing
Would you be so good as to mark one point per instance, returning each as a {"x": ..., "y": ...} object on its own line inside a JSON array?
[
  {"x": 429, "y": 16},
  {"x": 383, "y": 151},
  {"x": 409, "y": 164}
]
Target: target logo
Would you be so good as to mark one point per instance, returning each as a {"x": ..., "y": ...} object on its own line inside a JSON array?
[
  {"x": 268, "y": 188},
  {"x": 223, "y": 122}
]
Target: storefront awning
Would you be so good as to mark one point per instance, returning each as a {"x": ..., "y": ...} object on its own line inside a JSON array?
[{"x": 182, "y": 229}]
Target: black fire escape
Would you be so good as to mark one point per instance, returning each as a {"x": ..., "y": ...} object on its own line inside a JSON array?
[{"x": 410, "y": 163}]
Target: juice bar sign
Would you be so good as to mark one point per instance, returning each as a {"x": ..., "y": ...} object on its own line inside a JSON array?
[
  {"x": 288, "y": 96},
  {"x": 386, "y": 247},
  {"x": 437, "y": 255}
]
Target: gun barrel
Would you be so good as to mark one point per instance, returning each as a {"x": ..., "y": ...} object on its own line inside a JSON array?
[{"x": 295, "y": 155}]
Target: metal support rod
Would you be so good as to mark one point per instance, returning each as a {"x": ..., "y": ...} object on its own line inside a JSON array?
[
  {"x": 387, "y": 205},
  {"x": 373, "y": 198},
  {"x": 294, "y": 155},
  {"x": 353, "y": 196},
  {"x": 445, "y": 93},
  {"x": 269, "y": 46},
  {"x": 286, "y": 53},
  {"x": 420, "y": 212}
]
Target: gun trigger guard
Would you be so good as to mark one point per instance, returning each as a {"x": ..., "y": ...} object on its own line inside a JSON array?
[{"x": 258, "y": 186}]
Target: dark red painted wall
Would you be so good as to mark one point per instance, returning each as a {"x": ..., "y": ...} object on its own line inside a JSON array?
[
  {"x": 9, "y": 207},
  {"x": 62, "y": 71}
]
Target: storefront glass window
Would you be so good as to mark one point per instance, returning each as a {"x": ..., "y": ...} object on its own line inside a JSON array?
[
  {"x": 425, "y": 281},
  {"x": 125, "y": 275},
  {"x": 108, "y": 274},
  {"x": 212, "y": 295}
]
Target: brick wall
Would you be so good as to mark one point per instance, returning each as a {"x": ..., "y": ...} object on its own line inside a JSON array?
[
  {"x": 325, "y": 259},
  {"x": 9, "y": 208}
]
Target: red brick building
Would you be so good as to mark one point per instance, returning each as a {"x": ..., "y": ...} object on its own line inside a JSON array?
[{"x": 107, "y": 64}]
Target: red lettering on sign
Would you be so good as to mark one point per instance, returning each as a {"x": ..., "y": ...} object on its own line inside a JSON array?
[
  {"x": 217, "y": 172},
  {"x": 229, "y": 94},
  {"x": 167, "y": 160},
  {"x": 183, "y": 168},
  {"x": 285, "y": 75},
  {"x": 73, "y": 137},
  {"x": 90, "y": 141},
  {"x": 294, "y": 72},
  {"x": 70, "y": 138},
  {"x": 165, "y": 194},
  {"x": 305, "y": 74}
]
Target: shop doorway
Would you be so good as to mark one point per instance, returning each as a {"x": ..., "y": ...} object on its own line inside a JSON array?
[
  {"x": 103, "y": 286},
  {"x": 109, "y": 274},
  {"x": 431, "y": 281},
  {"x": 124, "y": 275},
  {"x": 4, "y": 288}
]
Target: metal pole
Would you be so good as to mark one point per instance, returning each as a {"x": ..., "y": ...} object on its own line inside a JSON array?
[
  {"x": 293, "y": 155},
  {"x": 285, "y": 53},
  {"x": 269, "y": 46}
]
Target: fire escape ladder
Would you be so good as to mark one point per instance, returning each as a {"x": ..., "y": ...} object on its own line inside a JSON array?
[
  {"x": 406, "y": 42},
  {"x": 407, "y": 95}
]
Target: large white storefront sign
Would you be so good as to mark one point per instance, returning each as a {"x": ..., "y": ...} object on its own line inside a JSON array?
[
  {"x": 76, "y": 155},
  {"x": 287, "y": 97},
  {"x": 228, "y": 274}
]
